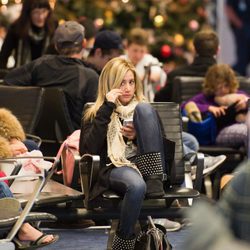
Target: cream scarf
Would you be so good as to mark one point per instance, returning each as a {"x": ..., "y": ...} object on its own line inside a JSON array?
[{"x": 116, "y": 144}]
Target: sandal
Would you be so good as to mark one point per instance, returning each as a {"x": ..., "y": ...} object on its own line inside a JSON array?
[{"x": 27, "y": 245}]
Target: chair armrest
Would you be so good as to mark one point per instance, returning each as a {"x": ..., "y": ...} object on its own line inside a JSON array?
[
  {"x": 35, "y": 138},
  {"x": 28, "y": 206},
  {"x": 199, "y": 172},
  {"x": 17, "y": 165},
  {"x": 89, "y": 169}
]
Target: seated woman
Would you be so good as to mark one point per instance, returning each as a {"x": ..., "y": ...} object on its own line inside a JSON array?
[
  {"x": 12, "y": 137},
  {"x": 220, "y": 89},
  {"x": 132, "y": 153},
  {"x": 27, "y": 232}
]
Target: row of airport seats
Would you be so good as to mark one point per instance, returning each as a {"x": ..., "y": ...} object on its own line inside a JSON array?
[
  {"x": 67, "y": 204},
  {"x": 186, "y": 87},
  {"x": 107, "y": 206},
  {"x": 45, "y": 118},
  {"x": 42, "y": 112},
  {"x": 36, "y": 194},
  {"x": 36, "y": 109},
  {"x": 11, "y": 218}
]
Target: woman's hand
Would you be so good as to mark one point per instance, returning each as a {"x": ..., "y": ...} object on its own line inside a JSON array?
[
  {"x": 17, "y": 147},
  {"x": 129, "y": 131},
  {"x": 113, "y": 94},
  {"x": 217, "y": 111}
]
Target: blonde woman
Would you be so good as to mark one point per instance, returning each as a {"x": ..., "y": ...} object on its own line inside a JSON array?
[
  {"x": 221, "y": 89},
  {"x": 132, "y": 153}
]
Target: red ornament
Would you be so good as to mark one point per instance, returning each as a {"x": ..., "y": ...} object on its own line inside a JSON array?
[{"x": 166, "y": 51}]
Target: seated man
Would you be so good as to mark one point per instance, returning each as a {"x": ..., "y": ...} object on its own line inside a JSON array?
[
  {"x": 107, "y": 45},
  {"x": 206, "y": 45},
  {"x": 66, "y": 71}
]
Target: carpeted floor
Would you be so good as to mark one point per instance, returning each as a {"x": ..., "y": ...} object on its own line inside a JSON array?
[{"x": 96, "y": 239}]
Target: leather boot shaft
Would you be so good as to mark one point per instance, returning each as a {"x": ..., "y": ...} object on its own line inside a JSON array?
[{"x": 150, "y": 166}]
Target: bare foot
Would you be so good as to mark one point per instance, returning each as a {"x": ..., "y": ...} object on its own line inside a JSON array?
[{"x": 27, "y": 232}]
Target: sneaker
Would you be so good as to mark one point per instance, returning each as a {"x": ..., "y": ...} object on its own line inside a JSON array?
[
  {"x": 210, "y": 164},
  {"x": 170, "y": 225}
]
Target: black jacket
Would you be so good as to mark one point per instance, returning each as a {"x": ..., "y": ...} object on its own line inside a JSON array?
[
  {"x": 199, "y": 67},
  {"x": 78, "y": 82},
  {"x": 93, "y": 140}
]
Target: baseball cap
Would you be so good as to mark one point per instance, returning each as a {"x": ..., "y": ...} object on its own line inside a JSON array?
[
  {"x": 69, "y": 34},
  {"x": 108, "y": 39}
]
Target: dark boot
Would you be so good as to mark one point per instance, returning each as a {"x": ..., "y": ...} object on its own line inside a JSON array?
[
  {"x": 123, "y": 244},
  {"x": 150, "y": 166}
]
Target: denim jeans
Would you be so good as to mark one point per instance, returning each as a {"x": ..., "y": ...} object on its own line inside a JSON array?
[
  {"x": 127, "y": 181},
  {"x": 5, "y": 190},
  {"x": 30, "y": 145},
  {"x": 190, "y": 143},
  {"x": 148, "y": 131}
]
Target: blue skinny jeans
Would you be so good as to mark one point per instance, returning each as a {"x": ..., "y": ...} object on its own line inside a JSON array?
[{"x": 126, "y": 181}]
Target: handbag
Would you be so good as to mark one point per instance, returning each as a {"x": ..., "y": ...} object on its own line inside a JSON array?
[
  {"x": 205, "y": 131},
  {"x": 152, "y": 237}
]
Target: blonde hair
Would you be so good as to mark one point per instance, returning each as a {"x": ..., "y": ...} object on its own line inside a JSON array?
[
  {"x": 111, "y": 77},
  {"x": 217, "y": 74}
]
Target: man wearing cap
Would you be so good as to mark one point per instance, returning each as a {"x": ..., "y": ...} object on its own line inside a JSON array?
[
  {"x": 107, "y": 45},
  {"x": 66, "y": 70}
]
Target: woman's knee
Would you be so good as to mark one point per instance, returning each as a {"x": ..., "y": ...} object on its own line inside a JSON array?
[
  {"x": 138, "y": 189},
  {"x": 144, "y": 110}
]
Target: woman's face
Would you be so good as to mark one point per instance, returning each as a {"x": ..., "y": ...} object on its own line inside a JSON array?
[
  {"x": 128, "y": 88},
  {"x": 39, "y": 16},
  {"x": 222, "y": 89}
]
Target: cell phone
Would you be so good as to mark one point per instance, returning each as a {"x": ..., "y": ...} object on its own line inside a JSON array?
[{"x": 126, "y": 122}]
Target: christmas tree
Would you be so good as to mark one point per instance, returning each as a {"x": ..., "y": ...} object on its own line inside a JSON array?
[{"x": 171, "y": 24}]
